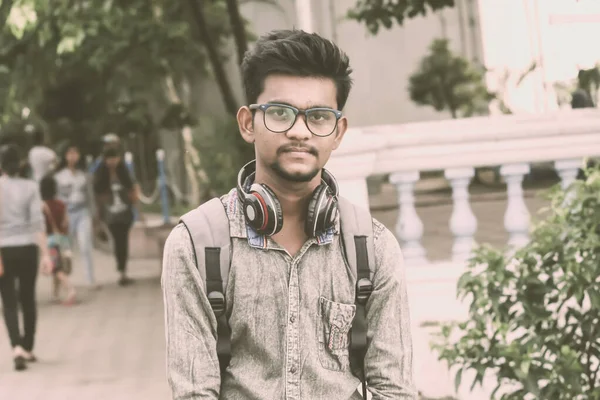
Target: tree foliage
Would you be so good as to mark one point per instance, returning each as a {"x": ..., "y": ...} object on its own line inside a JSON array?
[
  {"x": 449, "y": 82},
  {"x": 84, "y": 68},
  {"x": 534, "y": 317},
  {"x": 377, "y": 13},
  {"x": 98, "y": 65},
  {"x": 589, "y": 81}
]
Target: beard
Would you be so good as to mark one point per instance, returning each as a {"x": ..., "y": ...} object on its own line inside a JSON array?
[{"x": 294, "y": 177}]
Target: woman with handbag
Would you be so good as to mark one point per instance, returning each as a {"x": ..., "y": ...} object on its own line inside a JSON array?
[
  {"x": 116, "y": 196},
  {"x": 22, "y": 240},
  {"x": 57, "y": 228}
]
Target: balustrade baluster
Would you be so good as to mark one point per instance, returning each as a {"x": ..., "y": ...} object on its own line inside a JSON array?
[
  {"x": 463, "y": 222},
  {"x": 567, "y": 170},
  {"x": 516, "y": 218},
  {"x": 409, "y": 227}
]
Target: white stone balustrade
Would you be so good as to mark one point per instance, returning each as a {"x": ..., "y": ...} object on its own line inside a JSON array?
[
  {"x": 457, "y": 147},
  {"x": 568, "y": 170},
  {"x": 353, "y": 164},
  {"x": 516, "y": 218},
  {"x": 463, "y": 223},
  {"x": 409, "y": 227}
]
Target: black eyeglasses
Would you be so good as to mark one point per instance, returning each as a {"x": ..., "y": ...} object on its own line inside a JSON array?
[{"x": 279, "y": 118}]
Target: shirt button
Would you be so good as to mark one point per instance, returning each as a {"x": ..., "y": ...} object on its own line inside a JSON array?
[
  {"x": 292, "y": 319},
  {"x": 293, "y": 370}
]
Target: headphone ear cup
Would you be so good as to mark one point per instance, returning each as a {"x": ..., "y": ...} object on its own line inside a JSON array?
[
  {"x": 270, "y": 216},
  {"x": 253, "y": 211},
  {"x": 319, "y": 217}
]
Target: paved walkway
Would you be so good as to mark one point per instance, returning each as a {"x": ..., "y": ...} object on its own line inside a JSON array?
[{"x": 111, "y": 344}]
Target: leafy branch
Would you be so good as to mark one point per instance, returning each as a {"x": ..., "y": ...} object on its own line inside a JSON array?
[{"x": 377, "y": 13}]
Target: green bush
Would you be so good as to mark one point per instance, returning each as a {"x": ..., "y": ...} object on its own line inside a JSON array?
[
  {"x": 534, "y": 316},
  {"x": 446, "y": 81}
]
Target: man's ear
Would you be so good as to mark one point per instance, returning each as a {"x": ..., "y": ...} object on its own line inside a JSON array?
[
  {"x": 245, "y": 120},
  {"x": 342, "y": 126}
]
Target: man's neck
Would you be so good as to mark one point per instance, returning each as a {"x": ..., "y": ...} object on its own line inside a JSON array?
[{"x": 293, "y": 196}]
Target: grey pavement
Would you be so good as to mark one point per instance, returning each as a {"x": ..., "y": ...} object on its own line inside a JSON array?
[{"x": 111, "y": 344}]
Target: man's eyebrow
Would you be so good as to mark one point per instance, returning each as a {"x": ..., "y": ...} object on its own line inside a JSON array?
[{"x": 287, "y": 103}]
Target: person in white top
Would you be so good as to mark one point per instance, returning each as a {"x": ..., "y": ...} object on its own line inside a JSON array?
[
  {"x": 42, "y": 159},
  {"x": 23, "y": 250},
  {"x": 74, "y": 190}
]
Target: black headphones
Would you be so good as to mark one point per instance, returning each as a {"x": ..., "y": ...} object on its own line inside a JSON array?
[{"x": 263, "y": 210}]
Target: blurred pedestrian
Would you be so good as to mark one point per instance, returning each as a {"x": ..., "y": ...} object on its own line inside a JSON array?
[
  {"x": 42, "y": 159},
  {"x": 117, "y": 195},
  {"x": 22, "y": 240},
  {"x": 74, "y": 189},
  {"x": 57, "y": 228}
]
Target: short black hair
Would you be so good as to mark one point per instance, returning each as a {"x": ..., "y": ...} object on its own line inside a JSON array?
[
  {"x": 295, "y": 53},
  {"x": 48, "y": 187},
  {"x": 10, "y": 159}
]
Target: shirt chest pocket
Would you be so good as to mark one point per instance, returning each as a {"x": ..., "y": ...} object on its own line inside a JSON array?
[{"x": 335, "y": 321}]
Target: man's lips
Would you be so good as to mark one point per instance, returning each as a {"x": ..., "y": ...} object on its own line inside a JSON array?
[{"x": 298, "y": 150}]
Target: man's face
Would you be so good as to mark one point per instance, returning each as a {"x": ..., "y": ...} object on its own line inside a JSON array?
[{"x": 296, "y": 155}]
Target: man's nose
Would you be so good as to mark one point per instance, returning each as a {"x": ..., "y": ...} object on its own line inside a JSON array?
[{"x": 299, "y": 131}]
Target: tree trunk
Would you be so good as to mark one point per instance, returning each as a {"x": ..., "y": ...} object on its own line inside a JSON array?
[
  {"x": 443, "y": 24},
  {"x": 215, "y": 59},
  {"x": 474, "y": 31},
  {"x": 238, "y": 29},
  {"x": 461, "y": 28}
]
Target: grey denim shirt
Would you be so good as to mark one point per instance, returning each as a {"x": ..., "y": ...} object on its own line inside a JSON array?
[{"x": 289, "y": 319}]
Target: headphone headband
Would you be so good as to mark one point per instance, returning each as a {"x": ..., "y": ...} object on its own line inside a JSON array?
[{"x": 246, "y": 171}]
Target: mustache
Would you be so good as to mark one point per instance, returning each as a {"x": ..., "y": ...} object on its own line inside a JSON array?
[{"x": 297, "y": 147}]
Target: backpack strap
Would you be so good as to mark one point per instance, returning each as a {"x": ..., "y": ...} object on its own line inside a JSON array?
[
  {"x": 357, "y": 237},
  {"x": 208, "y": 226}
]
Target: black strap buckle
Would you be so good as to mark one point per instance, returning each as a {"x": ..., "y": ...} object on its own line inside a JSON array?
[
  {"x": 364, "y": 288},
  {"x": 217, "y": 302}
]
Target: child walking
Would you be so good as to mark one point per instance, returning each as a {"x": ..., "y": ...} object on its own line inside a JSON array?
[{"x": 57, "y": 228}]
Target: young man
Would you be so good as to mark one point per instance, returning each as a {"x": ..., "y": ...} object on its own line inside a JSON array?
[{"x": 290, "y": 296}]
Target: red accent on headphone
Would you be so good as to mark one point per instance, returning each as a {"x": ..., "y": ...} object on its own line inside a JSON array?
[{"x": 265, "y": 211}]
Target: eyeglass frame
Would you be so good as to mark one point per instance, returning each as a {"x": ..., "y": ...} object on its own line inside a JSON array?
[{"x": 264, "y": 107}]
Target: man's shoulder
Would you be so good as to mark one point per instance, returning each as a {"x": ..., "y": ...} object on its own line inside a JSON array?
[
  {"x": 230, "y": 202},
  {"x": 181, "y": 232},
  {"x": 378, "y": 228},
  {"x": 178, "y": 233}
]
